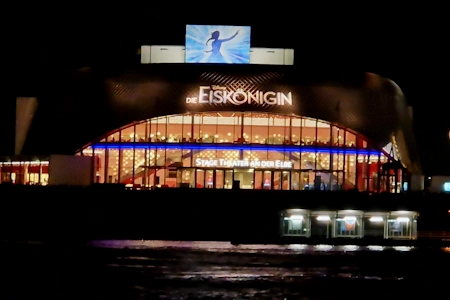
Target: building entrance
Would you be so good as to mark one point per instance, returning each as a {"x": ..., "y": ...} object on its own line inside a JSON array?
[
  {"x": 272, "y": 180},
  {"x": 245, "y": 177}
]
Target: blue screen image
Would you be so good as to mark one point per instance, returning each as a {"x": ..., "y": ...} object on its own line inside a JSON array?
[{"x": 218, "y": 44}]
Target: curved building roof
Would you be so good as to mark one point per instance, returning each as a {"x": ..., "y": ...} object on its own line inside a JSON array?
[{"x": 98, "y": 101}]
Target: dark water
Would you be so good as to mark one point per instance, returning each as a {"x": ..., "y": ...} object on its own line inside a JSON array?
[{"x": 207, "y": 270}]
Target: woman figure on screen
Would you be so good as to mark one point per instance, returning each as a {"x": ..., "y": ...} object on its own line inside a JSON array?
[{"x": 216, "y": 44}]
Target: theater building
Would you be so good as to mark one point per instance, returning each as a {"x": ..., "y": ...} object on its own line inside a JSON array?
[
  {"x": 256, "y": 150},
  {"x": 169, "y": 124}
]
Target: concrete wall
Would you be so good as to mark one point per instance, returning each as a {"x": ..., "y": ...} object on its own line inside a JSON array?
[
  {"x": 417, "y": 183},
  {"x": 70, "y": 170}
]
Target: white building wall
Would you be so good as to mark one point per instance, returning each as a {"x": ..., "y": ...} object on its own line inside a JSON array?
[{"x": 176, "y": 54}]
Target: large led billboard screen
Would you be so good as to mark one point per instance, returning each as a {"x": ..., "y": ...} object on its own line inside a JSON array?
[{"x": 218, "y": 44}]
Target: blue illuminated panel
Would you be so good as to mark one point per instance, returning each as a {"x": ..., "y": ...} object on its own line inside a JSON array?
[
  {"x": 447, "y": 187},
  {"x": 235, "y": 147},
  {"x": 217, "y": 44}
]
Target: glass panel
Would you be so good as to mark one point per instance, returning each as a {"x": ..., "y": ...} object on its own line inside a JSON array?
[
  {"x": 99, "y": 165},
  {"x": 226, "y": 154},
  {"x": 320, "y": 228},
  {"x": 126, "y": 170},
  {"x": 155, "y": 131},
  {"x": 259, "y": 128},
  {"x": 113, "y": 165},
  {"x": 228, "y": 179},
  {"x": 170, "y": 177},
  {"x": 277, "y": 155},
  {"x": 140, "y": 167},
  {"x": 277, "y": 180},
  {"x": 255, "y": 155},
  {"x": 200, "y": 178},
  {"x": 187, "y": 128},
  {"x": 323, "y": 133},
  {"x": 209, "y": 179},
  {"x": 322, "y": 181},
  {"x": 308, "y": 132},
  {"x": 114, "y": 137},
  {"x": 245, "y": 178},
  {"x": 173, "y": 156},
  {"x": 208, "y": 127},
  {"x": 295, "y": 226},
  {"x": 350, "y": 139},
  {"x": 308, "y": 161},
  {"x": 187, "y": 178},
  {"x": 160, "y": 179},
  {"x": 220, "y": 179},
  {"x": 348, "y": 226},
  {"x": 361, "y": 171},
  {"x": 141, "y": 134},
  {"x": 285, "y": 180},
  {"x": 258, "y": 180},
  {"x": 267, "y": 180},
  {"x": 307, "y": 180},
  {"x": 323, "y": 161},
  {"x": 127, "y": 134},
  {"x": 162, "y": 128},
  {"x": 160, "y": 158},
  {"x": 88, "y": 151},
  {"x": 152, "y": 179},
  {"x": 295, "y": 182},
  {"x": 399, "y": 228},
  {"x": 247, "y": 133},
  {"x": 228, "y": 130},
  {"x": 296, "y": 131},
  {"x": 295, "y": 158},
  {"x": 360, "y": 142},
  {"x": 373, "y": 170},
  {"x": 278, "y": 129},
  {"x": 337, "y": 181},
  {"x": 374, "y": 226},
  {"x": 338, "y": 162},
  {"x": 350, "y": 172},
  {"x": 186, "y": 158},
  {"x": 174, "y": 129},
  {"x": 335, "y": 134}
]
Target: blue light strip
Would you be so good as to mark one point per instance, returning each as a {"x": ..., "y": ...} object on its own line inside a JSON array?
[{"x": 235, "y": 147}]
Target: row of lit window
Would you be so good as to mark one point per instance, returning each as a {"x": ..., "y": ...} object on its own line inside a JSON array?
[
  {"x": 138, "y": 158},
  {"x": 226, "y": 127}
]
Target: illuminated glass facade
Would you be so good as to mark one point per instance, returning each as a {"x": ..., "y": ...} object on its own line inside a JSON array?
[
  {"x": 250, "y": 150},
  {"x": 30, "y": 171},
  {"x": 349, "y": 224}
]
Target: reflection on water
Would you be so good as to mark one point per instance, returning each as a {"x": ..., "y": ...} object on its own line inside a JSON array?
[
  {"x": 220, "y": 270},
  {"x": 228, "y": 247}
]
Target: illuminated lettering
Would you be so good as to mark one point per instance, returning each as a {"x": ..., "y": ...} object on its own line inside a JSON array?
[
  {"x": 206, "y": 162},
  {"x": 221, "y": 95},
  {"x": 245, "y": 163}
]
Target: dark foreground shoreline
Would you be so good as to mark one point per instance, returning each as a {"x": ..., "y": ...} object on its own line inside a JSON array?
[
  {"x": 60, "y": 213},
  {"x": 219, "y": 270},
  {"x": 419, "y": 243}
]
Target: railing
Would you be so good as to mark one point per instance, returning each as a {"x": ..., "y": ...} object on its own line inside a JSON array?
[{"x": 434, "y": 235}]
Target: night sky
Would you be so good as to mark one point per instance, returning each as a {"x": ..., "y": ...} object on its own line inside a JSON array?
[{"x": 406, "y": 44}]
